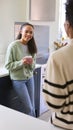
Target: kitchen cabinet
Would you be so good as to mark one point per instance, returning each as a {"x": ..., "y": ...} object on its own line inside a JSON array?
[
  {"x": 37, "y": 79},
  {"x": 43, "y": 104},
  {"x": 5, "y": 85},
  {"x": 45, "y": 12},
  {"x": 9, "y": 98}
]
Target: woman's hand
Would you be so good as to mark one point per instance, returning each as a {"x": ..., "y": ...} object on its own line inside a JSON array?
[{"x": 27, "y": 60}]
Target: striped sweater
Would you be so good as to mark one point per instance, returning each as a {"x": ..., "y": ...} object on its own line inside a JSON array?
[{"x": 58, "y": 86}]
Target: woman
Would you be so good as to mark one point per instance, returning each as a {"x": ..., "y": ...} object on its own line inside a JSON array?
[
  {"x": 58, "y": 88},
  {"x": 20, "y": 61}
]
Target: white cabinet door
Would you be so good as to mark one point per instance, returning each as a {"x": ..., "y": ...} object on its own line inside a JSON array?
[
  {"x": 43, "y": 105},
  {"x": 43, "y": 10}
]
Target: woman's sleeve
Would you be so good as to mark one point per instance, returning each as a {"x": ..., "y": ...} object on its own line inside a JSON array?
[
  {"x": 10, "y": 63},
  {"x": 54, "y": 84}
]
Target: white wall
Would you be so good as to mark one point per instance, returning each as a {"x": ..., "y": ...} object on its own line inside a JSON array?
[
  {"x": 10, "y": 12},
  {"x": 53, "y": 25},
  {"x": 18, "y": 10}
]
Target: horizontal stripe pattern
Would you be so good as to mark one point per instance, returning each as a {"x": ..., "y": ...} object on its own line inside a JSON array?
[
  {"x": 58, "y": 86},
  {"x": 53, "y": 95},
  {"x": 53, "y": 105},
  {"x": 64, "y": 120}
]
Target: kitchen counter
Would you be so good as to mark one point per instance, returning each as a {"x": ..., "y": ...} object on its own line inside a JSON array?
[
  {"x": 3, "y": 72},
  {"x": 14, "y": 120}
]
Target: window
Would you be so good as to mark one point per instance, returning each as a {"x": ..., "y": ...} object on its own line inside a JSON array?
[{"x": 62, "y": 19}]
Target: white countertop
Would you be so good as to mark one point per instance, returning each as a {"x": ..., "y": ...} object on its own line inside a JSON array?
[
  {"x": 13, "y": 120},
  {"x": 3, "y": 72}
]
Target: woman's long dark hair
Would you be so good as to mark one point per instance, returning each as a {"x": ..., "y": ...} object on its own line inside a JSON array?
[{"x": 31, "y": 43}]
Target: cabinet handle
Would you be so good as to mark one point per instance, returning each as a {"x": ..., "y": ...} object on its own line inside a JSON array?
[{"x": 35, "y": 72}]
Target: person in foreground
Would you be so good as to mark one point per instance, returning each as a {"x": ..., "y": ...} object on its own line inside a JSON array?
[
  {"x": 58, "y": 86},
  {"x": 20, "y": 61}
]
